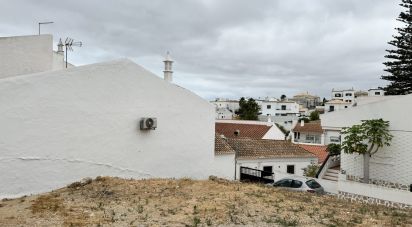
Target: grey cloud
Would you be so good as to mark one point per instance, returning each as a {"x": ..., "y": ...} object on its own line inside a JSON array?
[{"x": 226, "y": 47}]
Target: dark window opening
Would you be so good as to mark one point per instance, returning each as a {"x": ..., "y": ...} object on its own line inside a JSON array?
[
  {"x": 268, "y": 169},
  {"x": 290, "y": 169},
  {"x": 377, "y": 93},
  {"x": 283, "y": 107},
  {"x": 331, "y": 108}
]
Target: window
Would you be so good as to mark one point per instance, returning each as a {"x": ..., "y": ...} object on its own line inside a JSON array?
[
  {"x": 268, "y": 107},
  {"x": 334, "y": 139},
  {"x": 268, "y": 169},
  {"x": 313, "y": 184},
  {"x": 297, "y": 135},
  {"x": 296, "y": 184},
  {"x": 310, "y": 138},
  {"x": 348, "y": 94},
  {"x": 283, "y": 114},
  {"x": 283, "y": 107},
  {"x": 377, "y": 93},
  {"x": 290, "y": 169},
  {"x": 346, "y": 107},
  {"x": 331, "y": 108},
  {"x": 283, "y": 183},
  {"x": 338, "y": 95},
  {"x": 277, "y": 114}
]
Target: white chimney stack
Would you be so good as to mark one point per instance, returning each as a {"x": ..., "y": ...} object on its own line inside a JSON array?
[
  {"x": 302, "y": 123},
  {"x": 60, "y": 47},
  {"x": 168, "y": 72}
]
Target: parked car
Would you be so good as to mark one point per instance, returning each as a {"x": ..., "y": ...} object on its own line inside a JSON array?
[{"x": 299, "y": 185}]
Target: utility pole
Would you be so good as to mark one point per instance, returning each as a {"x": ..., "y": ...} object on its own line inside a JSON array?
[
  {"x": 40, "y": 23},
  {"x": 236, "y": 133}
]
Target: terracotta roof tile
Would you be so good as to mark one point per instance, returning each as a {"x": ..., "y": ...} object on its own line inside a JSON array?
[
  {"x": 309, "y": 127},
  {"x": 246, "y": 130},
  {"x": 222, "y": 146},
  {"x": 262, "y": 149},
  {"x": 319, "y": 150}
]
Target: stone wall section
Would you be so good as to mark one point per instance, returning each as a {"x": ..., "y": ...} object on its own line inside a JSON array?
[{"x": 370, "y": 200}]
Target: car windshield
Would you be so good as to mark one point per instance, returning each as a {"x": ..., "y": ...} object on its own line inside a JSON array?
[{"x": 313, "y": 184}]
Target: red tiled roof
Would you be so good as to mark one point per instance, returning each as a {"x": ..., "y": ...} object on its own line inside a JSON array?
[
  {"x": 263, "y": 149},
  {"x": 222, "y": 146},
  {"x": 246, "y": 130},
  {"x": 318, "y": 150},
  {"x": 309, "y": 127}
]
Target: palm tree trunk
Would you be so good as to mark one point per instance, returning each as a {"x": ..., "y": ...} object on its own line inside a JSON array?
[{"x": 366, "y": 158}]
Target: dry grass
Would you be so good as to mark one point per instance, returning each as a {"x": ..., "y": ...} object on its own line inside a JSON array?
[{"x": 119, "y": 202}]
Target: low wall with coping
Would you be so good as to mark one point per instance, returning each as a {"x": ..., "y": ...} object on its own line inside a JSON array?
[{"x": 374, "y": 194}]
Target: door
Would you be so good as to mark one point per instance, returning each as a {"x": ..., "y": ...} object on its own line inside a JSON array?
[{"x": 267, "y": 171}]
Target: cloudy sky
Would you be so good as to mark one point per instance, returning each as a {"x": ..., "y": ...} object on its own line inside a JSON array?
[{"x": 225, "y": 48}]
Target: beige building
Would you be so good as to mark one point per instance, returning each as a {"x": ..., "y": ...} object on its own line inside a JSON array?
[{"x": 307, "y": 100}]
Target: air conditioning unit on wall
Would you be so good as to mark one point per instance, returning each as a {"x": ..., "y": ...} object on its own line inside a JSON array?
[{"x": 148, "y": 123}]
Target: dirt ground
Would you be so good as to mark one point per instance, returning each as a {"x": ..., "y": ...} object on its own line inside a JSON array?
[{"x": 119, "y": 202}]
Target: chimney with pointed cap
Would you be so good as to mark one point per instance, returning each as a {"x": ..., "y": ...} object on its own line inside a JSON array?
[{"x": 168, "y": 72}]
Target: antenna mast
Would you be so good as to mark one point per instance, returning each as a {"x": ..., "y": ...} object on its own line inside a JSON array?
[{"x": 69, "y": 43}]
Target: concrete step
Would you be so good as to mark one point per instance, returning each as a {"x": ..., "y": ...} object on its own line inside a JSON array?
[
  {"x": 330, "y": 178},
  {"x": 333, "y": 171}
]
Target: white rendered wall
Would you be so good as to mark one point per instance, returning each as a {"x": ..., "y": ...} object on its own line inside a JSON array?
[
  {"x": 393, "y": 163},
  {"x": 375, "y": 191},
  {"x": 279, "y": 164},
  {"x": 25, "y": 54},
  {"x": 224, "y": 166},
  {"x": 60, "y": 126},
  {"x": 330, "y": 133},
  {"x": 274, "y": 133}
]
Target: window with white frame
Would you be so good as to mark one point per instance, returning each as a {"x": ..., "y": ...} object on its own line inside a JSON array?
[{"x": 334, "y": 139}]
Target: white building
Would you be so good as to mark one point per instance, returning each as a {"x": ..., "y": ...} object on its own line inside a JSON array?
[
  {"x": 308, "y": 133},
  {"x": 225, "y": 108},
  {"x": 61, "y": 126},
  {"x": 336, "y": 105},
  {"x": 391, "y": 167},
  {"x": 29, "y": 54},
  {"x": 279, "y": 108},
  {"x": 346, "y": 95},
  {"x": 249, "y": 129},
  {"x": 265, "y": 155},
  {"x": 376, "y": 92}
]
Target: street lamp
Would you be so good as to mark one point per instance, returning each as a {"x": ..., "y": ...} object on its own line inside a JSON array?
[{"x": 40, "y": 23}]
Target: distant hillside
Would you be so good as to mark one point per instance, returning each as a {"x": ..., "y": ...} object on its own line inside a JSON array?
[{"x": 118, "y": 202}]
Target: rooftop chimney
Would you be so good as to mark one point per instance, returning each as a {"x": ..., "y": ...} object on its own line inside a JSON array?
[
  {"x": 168, "y": 72},
  {"x": 60, "y": 47},
  {"x": 302, "y": 123}
]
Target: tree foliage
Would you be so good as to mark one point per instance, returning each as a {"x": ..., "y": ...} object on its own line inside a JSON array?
[
  {"x": 334, "y": 148},
  {"x": 311, "y": 170},
  {"x": 366, "y": 139},
  {"x": 399, "y": 65},
  {"x": 248, "y": 109},
  {"x": 314, "y": 116}
]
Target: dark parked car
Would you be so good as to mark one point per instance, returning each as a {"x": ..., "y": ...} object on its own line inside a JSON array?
[{"x": 299, "y": 185}]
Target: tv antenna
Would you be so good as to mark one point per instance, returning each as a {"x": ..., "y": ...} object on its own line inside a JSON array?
[{"x": 69, "y": 43}]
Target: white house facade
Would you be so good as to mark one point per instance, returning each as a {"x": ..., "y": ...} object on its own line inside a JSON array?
[
  {"x": 391, "y": 167},
  {"x": 60, "y": 126}
]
